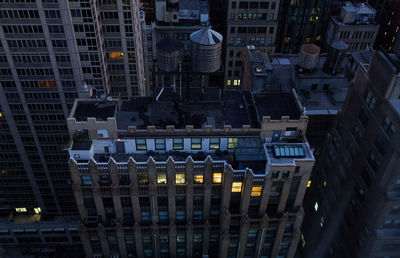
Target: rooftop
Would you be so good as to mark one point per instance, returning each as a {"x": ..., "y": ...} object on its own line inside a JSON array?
[
  {"x": 237, "y": 108},
  {"x": 285, "y": 75}
]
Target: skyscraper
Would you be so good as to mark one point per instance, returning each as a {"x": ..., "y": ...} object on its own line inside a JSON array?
[
  {"x": 50, "y": 53},
  {"x": 301, "y": 22},
  {"x": 353, "y": 205},
  {"x": 247, "y": 23}
]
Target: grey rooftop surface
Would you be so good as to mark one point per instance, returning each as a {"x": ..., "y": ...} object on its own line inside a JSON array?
[
  {"x": 237, "y": 108},
  {"x": 98, "y": 110},
  {"x": 276, "y": 104},
  {"x": 81, "y": 145}
]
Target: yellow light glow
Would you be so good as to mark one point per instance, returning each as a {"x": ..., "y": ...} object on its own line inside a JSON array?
[
  {"x": 256, "y": 190},
  {"x": 198, "y": 179},
  {"x": 162, "y": 179},
  {"x": 116, "y": 55},
  {"x": 303, "y": 241},
  {"x": 325, "y": 183},
  {"x": 232, "y": 143},
  {"x": 217, "y": 178},
  {"x": 20, "y": 209},
  {"x": 46, "y": 84},
  {"x": 236, "y": 187},
  {"x": 180, "y": 179},
  {"x": 37, "y": 210},
  {"x": 1, "y": 115},
  {"x": 309, "y": 183}
]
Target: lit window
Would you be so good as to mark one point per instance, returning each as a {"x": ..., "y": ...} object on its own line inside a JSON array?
[
  {"x": 116, "y": 55},
  {"x": 47, "y": 84},
  {"x": 236, "y": 82},
  {"x": 228, "y": 82},
  {"x": 303, "y": 241},
  {"x": 20, "y": 209},
  {"x": 180, "y": 179},
  {"x": 236, "y": 187},
  {"x": 198, "y": 179},
  {"x": 232, "y": 143},
  {"x": 196, "y": 144},
  {"x": 217, "y": 178},
  {"x": 37, "y": 210},
  {"x": 309, "y": 183},
  {"x": 143, "y": 179},
  {"x": 325, "y": 183},
  {"x": 322, "y": 222},
  {"x": 141, "y": 144},
  {"x": 162, "y": 179},
  {"x": 214, "y": 143},
  {"x": 178, "y": 144},
  {"x": 316, "y": 206},
  {"x": 256, "y": 190},
  {"x": 1, "y": 115}
]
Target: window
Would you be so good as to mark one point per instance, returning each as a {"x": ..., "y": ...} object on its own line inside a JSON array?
[
  {"x": 363, "y": 117},
  {"x": 285, "y": 174},
  {"x": 141, "y": 144},
  {"x": 197, "y": 215},
  {"x": 160, "y": 144},
  {"x": 163, "y": 216},
  {"x": 243, "y": 5},
  {"x": 116, "y": 55},
  {"x": 143, "y": 179},
  {"x": 275, "y": 174},
  {"x": 264, "y": 5},
  {"x": 20, "y": 209},
  {"x": 388, "y": 127},
  {"x": 86, "y": 180},
  {"x": 146, "y": 216},
  {"x": 314, "y": 86},
  {"x": 180, "y": 239},
  {"x": 256, "y": 190},
  {"x": 316, "y": 206},
  {"x": 178, "y": 144},
  {"x": 232, "y": 143},
  {"x": 180, "y": 179},
  {"x": 370, "y": 99},
  {"x": 214, "y": 143},
  {"x": 309, "y": 183},
  {"x": 162, "y": 179},
  {"x": 198, "y": 179},
  {"x": 180, "y": 215},
  {"x": 217, "y": 178},
  {"x": 196, "y": 144},
  {"x": 236, "y": 187},
  {"x": 233, "y": 4}
]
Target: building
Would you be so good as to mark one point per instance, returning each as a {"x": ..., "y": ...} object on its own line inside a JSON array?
[
  {"x": 320, "y": 81},
  {"x": 51, "y": 52},
  {"x": 149, "y": 8},
  {"x": 247, "y": 23},
  {"x": 196, "y": 179},
  {"x": 353, "y": 205},
  {"x": 301, "y": 22},
  {"x": 388, "y": 17},
  {"x": 355, "y": 26}
]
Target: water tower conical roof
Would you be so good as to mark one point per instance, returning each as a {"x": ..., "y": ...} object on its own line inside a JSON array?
[{"x": 206, "y": 36}]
